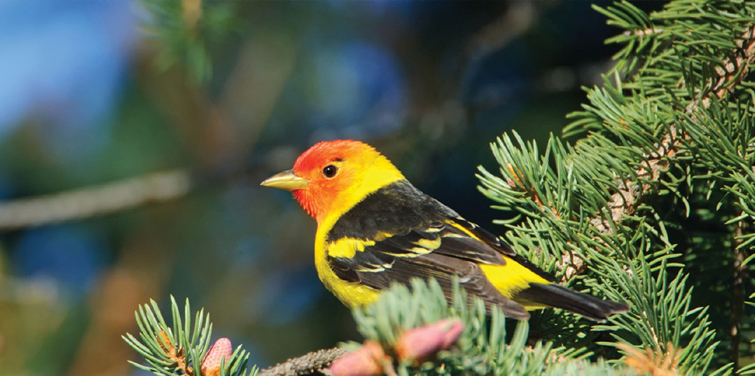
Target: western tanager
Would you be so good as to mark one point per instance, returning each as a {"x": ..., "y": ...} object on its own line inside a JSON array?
[{"x": 374, "y": 228}]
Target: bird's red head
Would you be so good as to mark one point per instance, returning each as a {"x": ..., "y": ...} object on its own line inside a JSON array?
[{"x": 332, "y": 176}]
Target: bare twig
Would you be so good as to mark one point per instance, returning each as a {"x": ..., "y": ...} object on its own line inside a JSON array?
[
  {"x": 643, "y": 32},
  {"x": 99, "y": 200},
  {"x": 517, "y": 19},
  {"x": 309, "y": 363}
]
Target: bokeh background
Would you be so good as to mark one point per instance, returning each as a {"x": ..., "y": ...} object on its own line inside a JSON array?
[{"x": 129, "y": 173}]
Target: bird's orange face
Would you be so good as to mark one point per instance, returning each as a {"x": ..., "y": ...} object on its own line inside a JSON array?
[
  {"x": 329, "y": 169},
  {"x": 331, "y": 175}
]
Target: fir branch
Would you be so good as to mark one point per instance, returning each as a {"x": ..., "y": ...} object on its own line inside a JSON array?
[
  {"x": 680, "y": 116},
  {"x": 627, "y": 183},
  {"x": 398, "y": 324},
  {"x": 482, "y": 347},
  {"x": 183, "y": 348},
  {"x": 728, "y": 76}
]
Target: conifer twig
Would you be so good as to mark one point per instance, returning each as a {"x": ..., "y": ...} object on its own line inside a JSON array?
[
  {"x": 644, "y": 32},
  {"x": 309, "y": 363}
]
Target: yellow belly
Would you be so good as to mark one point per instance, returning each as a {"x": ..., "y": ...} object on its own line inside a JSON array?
[{"x": 349, "y": 293}]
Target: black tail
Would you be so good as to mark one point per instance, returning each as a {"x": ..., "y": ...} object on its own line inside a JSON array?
[{"x": 554, "y": 295}]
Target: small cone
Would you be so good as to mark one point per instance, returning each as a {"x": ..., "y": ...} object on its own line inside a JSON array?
[
  {"x": 363, "y": 362},
  {"x": 211, "y": 363},
  {"x": 422, "y": 343}
]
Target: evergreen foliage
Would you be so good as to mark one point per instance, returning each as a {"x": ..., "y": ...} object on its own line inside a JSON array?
[
  {"x": 180, "y": 348},
  {"x": 657, "y": 197},
  {"x": 654, "y": 205},
  {"x": 482, "y": 348}
]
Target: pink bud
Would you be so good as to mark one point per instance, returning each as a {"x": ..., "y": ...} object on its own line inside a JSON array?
[
  {"x": 421, "y": 343},
  {"x": 211, "y": 363},
  {"x": 363, "y": 362}
]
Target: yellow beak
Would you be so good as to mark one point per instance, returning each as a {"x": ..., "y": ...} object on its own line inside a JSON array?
[{"x": 286, "y": 180}]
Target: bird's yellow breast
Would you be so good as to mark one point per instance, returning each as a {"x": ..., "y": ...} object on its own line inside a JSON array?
[
  {"x": 351, "y": 294},
  {"x": 377, "y": 173}
]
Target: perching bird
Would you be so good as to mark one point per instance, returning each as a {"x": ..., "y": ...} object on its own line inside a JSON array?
[{"x": 374, "y": 228}]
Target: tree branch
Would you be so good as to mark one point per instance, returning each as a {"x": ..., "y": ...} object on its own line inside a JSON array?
[
  {"x": 99, "y": 200},
  {"x": 730, "y": 74},
  {"x": 310, "y": 363}
]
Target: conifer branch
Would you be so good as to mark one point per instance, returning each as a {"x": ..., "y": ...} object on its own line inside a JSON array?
[
  {"x": 310, "y": 363},
  {"x": 677, "y": 131},
  {"x": 729, "y": 74},
  {"x": 183, "y": 348}
]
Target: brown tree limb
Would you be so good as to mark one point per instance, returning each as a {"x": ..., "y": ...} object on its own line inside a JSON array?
[
  {"x": 310, "y": 363},
  {"x": 93, "y": 201}
]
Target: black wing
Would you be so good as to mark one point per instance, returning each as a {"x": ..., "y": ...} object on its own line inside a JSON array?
[
  {"x": 502, "y": 247},
  {"x": 441, "y": 251},
  {"x": 402, "y": 234}
]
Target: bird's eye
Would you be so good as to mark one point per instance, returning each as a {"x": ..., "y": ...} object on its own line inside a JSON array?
[{"x": 330, "y": 171}]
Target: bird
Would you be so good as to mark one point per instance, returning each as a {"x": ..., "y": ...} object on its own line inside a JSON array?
[{"x": 374, "y": 228}]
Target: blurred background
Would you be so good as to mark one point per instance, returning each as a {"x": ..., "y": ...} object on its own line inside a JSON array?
[{"x": 134, "y": 135}]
